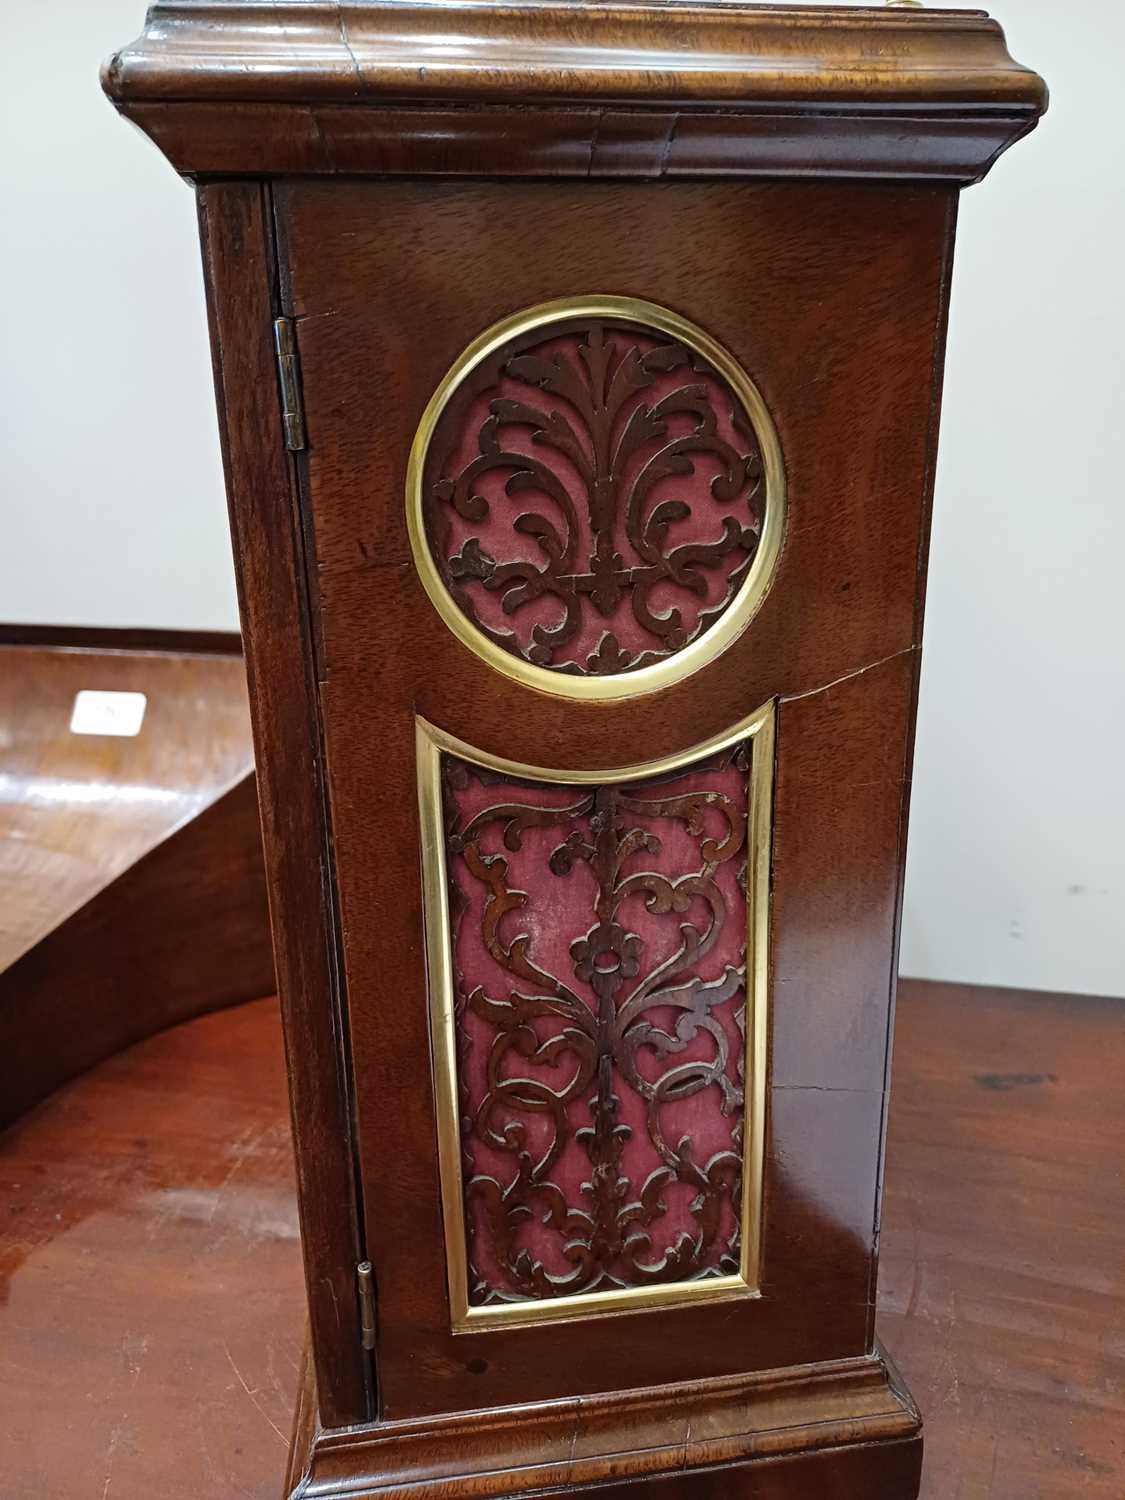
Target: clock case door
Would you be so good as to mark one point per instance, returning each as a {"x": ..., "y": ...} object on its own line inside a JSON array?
[{"x": 833, "y": 299}]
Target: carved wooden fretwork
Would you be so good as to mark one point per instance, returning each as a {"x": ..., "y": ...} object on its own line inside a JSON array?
[
  {"x": 593, "y": 496},
  {"x": 599, "y": 941}
]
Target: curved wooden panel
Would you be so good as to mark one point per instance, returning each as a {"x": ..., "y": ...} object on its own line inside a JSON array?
[
  {"x": 78, "y": 809},
  {"x": 132, "y": 892}
]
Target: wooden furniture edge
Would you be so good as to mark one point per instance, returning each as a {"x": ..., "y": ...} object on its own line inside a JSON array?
[
  {"x": 695, "y": 90},
  {"x": 237, "y": 247},
  {"x": 933, "y": 429},
  {"x": 741, "y": 55},
  {"x": 717, "y": 1426},
  {"x": 136, "y": 640},
  {"x": 304, "y": 1425},
  {"x": 124, "y": 996}
]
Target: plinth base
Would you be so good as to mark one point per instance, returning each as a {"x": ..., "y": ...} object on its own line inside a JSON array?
[{"x": 845, "y": 1430}]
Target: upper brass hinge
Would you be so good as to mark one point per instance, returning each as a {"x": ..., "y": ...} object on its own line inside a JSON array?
[
  {"x": 289, "y": 378},
  {"x": 365, "y": 1279}
]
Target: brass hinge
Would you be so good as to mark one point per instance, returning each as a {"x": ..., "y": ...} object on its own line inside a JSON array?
[
  {"x": 289, "y": 378},
  {"x": 365, "y": 1278}
]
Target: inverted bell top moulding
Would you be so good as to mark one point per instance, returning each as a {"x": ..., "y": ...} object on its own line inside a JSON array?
[{"x": 596, "y": 497}]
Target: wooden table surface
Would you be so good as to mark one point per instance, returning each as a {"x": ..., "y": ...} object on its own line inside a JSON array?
[
  {"x": 151, "y": 1302},
  {"x": 78, "y": 809}
]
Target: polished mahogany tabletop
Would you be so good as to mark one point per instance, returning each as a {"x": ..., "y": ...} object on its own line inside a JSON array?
[
  {"x": 151, "y": 1306},
  {"x": 76, "y": 809}
]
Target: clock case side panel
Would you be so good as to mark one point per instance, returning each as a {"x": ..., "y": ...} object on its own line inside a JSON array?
[
  {"x": 375, "y": 338},
  {"x": 240, "y": 271},
  {"x": 723, "y": 1014}
]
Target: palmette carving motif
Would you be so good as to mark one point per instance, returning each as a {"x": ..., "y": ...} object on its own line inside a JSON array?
[
  {"x": 600, "y": 1026},
  {"x": 594, "y": 497}
]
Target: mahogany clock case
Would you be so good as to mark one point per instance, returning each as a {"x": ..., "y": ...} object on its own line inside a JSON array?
[
  {"x": 772, "y": 214},
  {"x": 834, "y": 299}
]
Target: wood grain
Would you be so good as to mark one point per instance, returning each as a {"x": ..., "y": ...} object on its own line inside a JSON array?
[
  {"x": 644, "y": 90},
  {"x": 123, "y": 638},
  {"x": 833, "y": 299},
  {"x": 151, "y": 1299},
  {"x": 800, "y": 1422},
  {"x": 78, "y": 809},
  {"x": 150, "y": 1230},
  {"x": 337, "y": 141},
  {"x": 1002, "y": 1276},
  {"x": 182, "y": 931},
  {"x": 735, "y": 54},
  {"x": 132, "y": 888},
  {"x": 269, "y": 566},
  {"x": 357, "y": 120}
]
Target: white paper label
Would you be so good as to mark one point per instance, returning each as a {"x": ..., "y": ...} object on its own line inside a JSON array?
[{"x": 107, "y": 713}]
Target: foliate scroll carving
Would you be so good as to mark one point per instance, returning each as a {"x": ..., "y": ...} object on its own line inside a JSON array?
[
  {"x": 599, "y": 952},
  {"x": 593, "y": 496}
]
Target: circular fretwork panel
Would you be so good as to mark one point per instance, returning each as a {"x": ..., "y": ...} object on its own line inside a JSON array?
[{"x": 596, "y": 497}]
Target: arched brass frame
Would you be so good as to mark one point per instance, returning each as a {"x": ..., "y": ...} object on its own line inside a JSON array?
[
  {"x": 742, "y": 608},
  {"x": 430, "y": 744}
]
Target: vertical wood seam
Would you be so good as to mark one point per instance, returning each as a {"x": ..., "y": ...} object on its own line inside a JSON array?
[{"x": 259, "y": 475}]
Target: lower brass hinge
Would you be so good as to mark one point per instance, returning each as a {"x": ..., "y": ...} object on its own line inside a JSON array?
[
  {"x": 365, "y": 1278},
  {"x": 289, "y": 379}
]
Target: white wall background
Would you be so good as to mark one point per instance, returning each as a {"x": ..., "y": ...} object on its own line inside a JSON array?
[
  {"x": 113, "y": 509},
  {"x": 113, "y": 504}
]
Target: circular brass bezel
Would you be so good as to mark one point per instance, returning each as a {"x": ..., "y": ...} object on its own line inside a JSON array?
[{"x": 742, "y": 608}]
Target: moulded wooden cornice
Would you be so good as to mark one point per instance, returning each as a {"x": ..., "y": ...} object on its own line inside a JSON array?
[
  {"x": 717, "y": 1426},
  {"x": 589, "y": 89}
]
